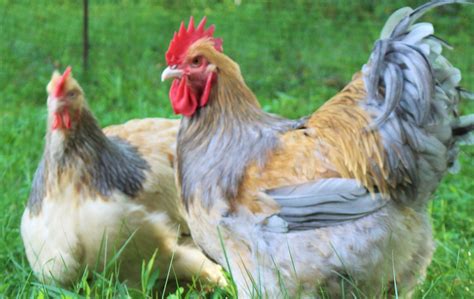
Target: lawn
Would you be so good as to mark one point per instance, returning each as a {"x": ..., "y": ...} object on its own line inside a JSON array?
[{"x": 294, "y": 55}]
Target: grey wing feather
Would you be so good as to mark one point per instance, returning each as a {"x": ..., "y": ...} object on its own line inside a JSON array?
[
  {"x": 321, "y": 203},
  {"x": 38, "y": 189}
]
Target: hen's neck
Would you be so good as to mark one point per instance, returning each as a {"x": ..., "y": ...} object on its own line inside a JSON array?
[
  {"x": 84, "y": 138},
  {"x": 85, "y": 155},
  {"x": 216, "y": 145},
  {"x": 86, "y": 159}
]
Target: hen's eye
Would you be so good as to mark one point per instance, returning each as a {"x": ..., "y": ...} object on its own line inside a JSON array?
[
  {"x": 71, "y": 94},
  {"x": 196, "y": 61}
]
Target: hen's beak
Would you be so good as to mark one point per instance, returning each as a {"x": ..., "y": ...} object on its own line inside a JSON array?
[
  {"x": 56, "y": 103},
  {"x": 171, "y": 72}
]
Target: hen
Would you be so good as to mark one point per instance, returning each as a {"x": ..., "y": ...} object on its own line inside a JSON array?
[
  {"x": 100, "y": 193},
  {"x": 337, "y": 200}
]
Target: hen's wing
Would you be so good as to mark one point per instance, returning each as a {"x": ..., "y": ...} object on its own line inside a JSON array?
[{"x": 155, "y": 140}]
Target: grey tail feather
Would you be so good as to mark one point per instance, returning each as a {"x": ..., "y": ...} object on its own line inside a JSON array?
[
  {"x": 412, "y": 49},
  {"x": 465, "y": 94},
  {"x": 420, "y": 11},
  {"x": 413, "y": 94},
  {"x": 463, "y": 133},
  {"x": 463, "y": 130}
]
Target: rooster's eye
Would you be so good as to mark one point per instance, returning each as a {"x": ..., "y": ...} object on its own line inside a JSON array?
[{"x": 196, "y": 62}]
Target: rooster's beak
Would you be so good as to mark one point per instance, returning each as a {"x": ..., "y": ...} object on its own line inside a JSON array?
[{"x": 171, "y": 72}]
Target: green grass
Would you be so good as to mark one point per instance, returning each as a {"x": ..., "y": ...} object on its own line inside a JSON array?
[{"x": 294, "y": 55}]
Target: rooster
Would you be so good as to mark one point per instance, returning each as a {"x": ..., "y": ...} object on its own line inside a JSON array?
[
  {"x": 100, "y": 193},
  {"x": 334, "y": 201}
]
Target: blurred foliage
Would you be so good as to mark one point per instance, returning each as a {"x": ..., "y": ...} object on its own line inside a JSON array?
[{"x": 293, "y": 54}]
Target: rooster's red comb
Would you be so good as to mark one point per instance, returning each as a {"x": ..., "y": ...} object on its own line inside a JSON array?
[
  {"x": 58, "y": 91},
  {"x": 186, "y": 37}
]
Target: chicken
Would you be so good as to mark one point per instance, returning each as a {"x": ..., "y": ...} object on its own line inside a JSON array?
[
  {"x": 98, "y": 193},
  {"x": 334, "y": 201}
]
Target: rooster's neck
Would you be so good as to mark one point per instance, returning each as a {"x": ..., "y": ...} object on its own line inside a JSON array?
[{"x": 218, "y": 143}]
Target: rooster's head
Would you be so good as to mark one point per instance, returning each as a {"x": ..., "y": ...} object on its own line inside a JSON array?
[
  {"x": 65, "y": 100},
  {"x": 193, "y": 60}
]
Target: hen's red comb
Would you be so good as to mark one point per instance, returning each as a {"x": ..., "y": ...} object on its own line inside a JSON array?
[
  {"x": 185, "y": 38},
  {"x": 58, "y": 91}
]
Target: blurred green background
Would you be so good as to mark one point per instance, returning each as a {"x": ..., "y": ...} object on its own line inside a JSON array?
[{"x": 293, "y": 54}]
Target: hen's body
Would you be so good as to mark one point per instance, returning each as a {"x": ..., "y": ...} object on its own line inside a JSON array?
[
  {"x": 97, "y": 193},
  {"x": 335, "y": 201}
]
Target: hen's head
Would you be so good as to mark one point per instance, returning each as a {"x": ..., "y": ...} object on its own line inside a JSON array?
[
  {"x": 65, "y": 100},
  {"x": 194, "y": 58}
]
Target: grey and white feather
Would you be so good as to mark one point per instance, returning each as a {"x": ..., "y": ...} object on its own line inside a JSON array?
[{"x": 322, "y": 203}]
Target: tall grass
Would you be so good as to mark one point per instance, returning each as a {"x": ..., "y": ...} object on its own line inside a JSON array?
[{"x": 294, "y": 55}]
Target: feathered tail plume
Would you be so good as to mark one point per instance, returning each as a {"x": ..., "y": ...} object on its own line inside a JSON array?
[
  {"x": 463, "y": 127},
  {"x": 413, "y": 92}
]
